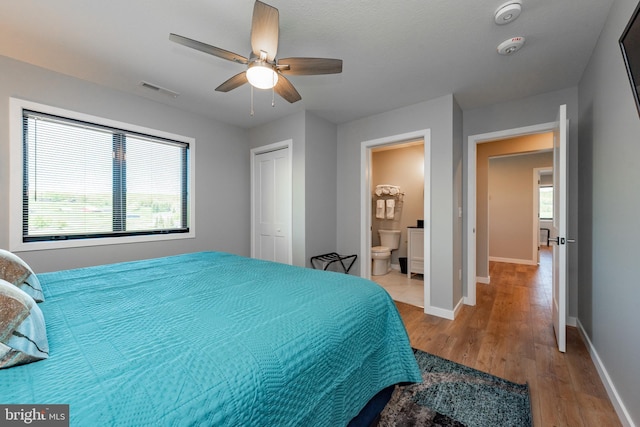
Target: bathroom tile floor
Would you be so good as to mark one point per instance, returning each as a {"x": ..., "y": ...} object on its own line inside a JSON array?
[{"x": 401, "y": 288}]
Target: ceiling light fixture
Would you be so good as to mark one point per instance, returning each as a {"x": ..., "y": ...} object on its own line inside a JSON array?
[
  {"x": 508, "y": 12},
  {"x": 261, "y": 75}
]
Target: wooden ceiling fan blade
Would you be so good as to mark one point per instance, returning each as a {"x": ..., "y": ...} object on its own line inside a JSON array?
[
  {"x": 207, "y": 48},
  {"x": 265, "y": 30},
  {"x": 285, "y": 89},
  {"x": 234, "y": 82},
  {"x": 309, "y": 66}
]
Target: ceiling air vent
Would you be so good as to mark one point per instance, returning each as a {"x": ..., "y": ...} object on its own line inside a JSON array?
[{"x": 159, "y": 89}]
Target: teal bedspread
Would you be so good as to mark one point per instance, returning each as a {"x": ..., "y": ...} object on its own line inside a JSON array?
[{"x": 211, "y": 338}]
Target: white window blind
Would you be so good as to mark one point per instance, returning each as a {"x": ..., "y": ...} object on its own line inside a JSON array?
[{"x": 85, "y": 180}]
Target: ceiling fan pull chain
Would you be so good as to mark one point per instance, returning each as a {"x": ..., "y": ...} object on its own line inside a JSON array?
[
  {"x": 273, "y": 96},
  {"x": 251, "y": 101}
]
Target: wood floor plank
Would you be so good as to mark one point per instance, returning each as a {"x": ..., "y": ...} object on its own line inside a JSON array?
[{"x": 509, "y": 333}]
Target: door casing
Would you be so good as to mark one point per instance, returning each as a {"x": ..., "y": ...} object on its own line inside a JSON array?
[
  {"x": 470, "y": 209},
  {"x": 366, "y": 201}
]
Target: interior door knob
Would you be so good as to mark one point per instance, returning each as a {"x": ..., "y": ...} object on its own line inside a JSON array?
[{"x": 561, "y": 240}]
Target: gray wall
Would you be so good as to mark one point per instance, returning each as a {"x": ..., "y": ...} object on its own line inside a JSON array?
[
  {"x": 533, "y": 111},
  {"x": 314, "y": 180},
  {"x": 221, "y": 218},
  {"x": 609, "y": 206},
  {"x": 511, "y": 202},
  {"x": 321, "y": 184},
  {"x": 439, "y": 115}
]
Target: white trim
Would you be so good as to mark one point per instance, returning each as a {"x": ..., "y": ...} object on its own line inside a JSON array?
[
  {"x": 16, "y": 106},
  {"x": 513, "y": 260},
  {"x": 439, "y": 312},
  {"x": 286, "y": 144},
  {"x": 616, "y": 400},
  {"x": 365, "y": 202},
  {"x": 484, "y": 280},
  {"x": 472, "y": 142},
  {"x": 446, "y": 314}
]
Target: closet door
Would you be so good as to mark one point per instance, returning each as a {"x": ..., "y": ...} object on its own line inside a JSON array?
[{"x": 272, "y": 206}]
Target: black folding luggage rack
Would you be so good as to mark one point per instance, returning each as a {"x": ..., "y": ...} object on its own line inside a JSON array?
[{"x": 326, "y": 260}]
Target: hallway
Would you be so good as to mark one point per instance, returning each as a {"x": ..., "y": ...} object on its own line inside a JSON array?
[{"x": 509, "y": 333}]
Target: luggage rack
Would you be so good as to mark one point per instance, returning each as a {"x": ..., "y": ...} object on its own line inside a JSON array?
[{"x": 326, "y": 260}]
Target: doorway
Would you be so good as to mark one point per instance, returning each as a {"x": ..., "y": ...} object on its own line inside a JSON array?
[
  {"x": 559, "y": 229},
  {"x": 366, "y": 200},
  {"x": 472, "y": 148},
  {"x": 543, "y": 205},
  {"x": 508, "y": 199}
]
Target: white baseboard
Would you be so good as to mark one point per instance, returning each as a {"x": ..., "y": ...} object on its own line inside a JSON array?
[
  {"x": 458, "y": 307},
  {"x": 439, "y": 312},
  {"x": 513, "y": 260},
  {"x": 483, "y": 280},
  {"x": 447, "y": 314},
  {"x": 621, "y": 410}
]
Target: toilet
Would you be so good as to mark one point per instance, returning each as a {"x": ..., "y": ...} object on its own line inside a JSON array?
[{"x": 381, "y": 255}]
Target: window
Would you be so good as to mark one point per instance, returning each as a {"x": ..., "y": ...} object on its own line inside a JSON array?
[
  {"x": 86, "y": 179},
  {"x": 546, "y": 202}
]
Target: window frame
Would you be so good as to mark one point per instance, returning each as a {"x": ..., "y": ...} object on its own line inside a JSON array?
[
  {"x": 16, "y": 167},
  {"x": 540, "y": 187}
]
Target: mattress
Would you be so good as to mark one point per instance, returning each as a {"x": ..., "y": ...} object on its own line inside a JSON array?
[{"x": 211, "y": 338}]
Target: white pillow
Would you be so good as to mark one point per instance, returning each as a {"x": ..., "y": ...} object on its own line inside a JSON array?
[
  {"x": 23, "y": 334},
  {"x": 14, "y": 270}
]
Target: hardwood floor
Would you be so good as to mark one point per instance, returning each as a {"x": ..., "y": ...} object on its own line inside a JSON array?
[{"x": 509, "y": 333}]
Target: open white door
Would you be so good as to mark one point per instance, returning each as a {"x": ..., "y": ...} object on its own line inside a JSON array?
[{"x": 559, "y": 229}]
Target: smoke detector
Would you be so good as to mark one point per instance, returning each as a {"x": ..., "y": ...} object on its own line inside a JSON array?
[
  {"x": 508, "y": 12},
  {"x": 510, "y": 46}
]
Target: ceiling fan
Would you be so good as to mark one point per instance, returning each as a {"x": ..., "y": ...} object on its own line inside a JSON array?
[{"x": 264, "y": 71}]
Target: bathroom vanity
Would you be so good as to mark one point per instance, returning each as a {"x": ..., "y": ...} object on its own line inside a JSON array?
[{"x": 415, "y": 251}]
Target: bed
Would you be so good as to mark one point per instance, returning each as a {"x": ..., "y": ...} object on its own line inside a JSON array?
[{"x": 211, "y": 338}]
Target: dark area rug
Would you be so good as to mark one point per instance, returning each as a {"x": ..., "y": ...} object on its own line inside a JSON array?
[{"x": 458, "y": 396}]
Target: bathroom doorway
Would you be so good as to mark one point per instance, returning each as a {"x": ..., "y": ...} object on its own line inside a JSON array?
[{"x": 370, "y": 224}]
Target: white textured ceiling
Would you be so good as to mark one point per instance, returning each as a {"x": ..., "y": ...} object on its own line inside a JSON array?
[{"x": 395, "y": 53}]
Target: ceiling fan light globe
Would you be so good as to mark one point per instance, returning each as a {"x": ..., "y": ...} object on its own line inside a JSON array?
[{"x": 262, "y": 76}]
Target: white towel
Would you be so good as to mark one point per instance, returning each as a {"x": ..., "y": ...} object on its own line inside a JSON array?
[
  {"x": 380, "y": 209},
  {"x": 391, "y": 207},
  {"x": 378, "y": 191}
]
